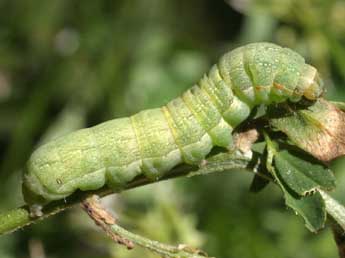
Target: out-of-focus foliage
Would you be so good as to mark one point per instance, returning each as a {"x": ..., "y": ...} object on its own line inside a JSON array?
[{"x": 66, "y": 64}]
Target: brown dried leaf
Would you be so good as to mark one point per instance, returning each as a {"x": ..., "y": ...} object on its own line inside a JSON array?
[
  {"x": 244, "y": 140},
  {"x": 319, "y": 130},
  {"x": 104, "y": 219}
]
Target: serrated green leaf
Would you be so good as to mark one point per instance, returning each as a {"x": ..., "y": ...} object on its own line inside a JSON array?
[
  {"x": 302, "y": 176},
  {"x": 311, "y": 208}
]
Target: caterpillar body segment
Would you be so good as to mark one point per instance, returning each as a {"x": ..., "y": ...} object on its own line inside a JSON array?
[{"x": 153, "y": 141}]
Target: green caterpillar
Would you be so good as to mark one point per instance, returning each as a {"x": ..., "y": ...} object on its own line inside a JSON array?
[{"x": 185, "y": 130}]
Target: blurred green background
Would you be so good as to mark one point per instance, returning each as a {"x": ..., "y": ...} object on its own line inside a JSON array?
[{"x": 67, "y": 64}]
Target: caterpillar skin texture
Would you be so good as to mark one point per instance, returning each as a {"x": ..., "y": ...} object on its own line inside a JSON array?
[{"x": 185, "y": 130}]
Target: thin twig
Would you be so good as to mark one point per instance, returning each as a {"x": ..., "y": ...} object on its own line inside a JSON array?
[
  {"x": 104, "y": 219},
  {"x": 107, "y": 222}
]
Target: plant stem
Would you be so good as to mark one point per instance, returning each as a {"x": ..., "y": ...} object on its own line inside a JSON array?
[
  {"x": 337, "y": 212},
  {"x": 334, "y": 208}
]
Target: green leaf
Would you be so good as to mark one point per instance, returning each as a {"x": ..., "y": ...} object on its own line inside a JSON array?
[
  {"x": 311, "y": 208},
  {"x": 302, "y": 176}
]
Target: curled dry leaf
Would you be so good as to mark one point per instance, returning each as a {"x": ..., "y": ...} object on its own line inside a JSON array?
[
  {"x": 94, "y": 209},
  {"x": 245, "y": 140},
  {"x": 104, "y": 219},
  {"x": 319, "y": 129}
]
